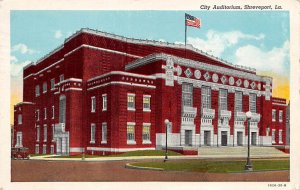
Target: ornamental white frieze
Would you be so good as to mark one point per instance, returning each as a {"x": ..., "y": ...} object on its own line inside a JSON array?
[
  {"x": 188, "y": 72},
  {"x": 215, "y": 77},
  {"x": 246, "y": 83},
  {"x": 239, "y": 82},
  {"x": 179, "y": 70},
  {"x": 224, "y": 79},
  {"x": 231, "y": 80},
  {"x": 207, "y": 76},
  {"x": 253, "y": 85},
  {"x": 197, "y": 74}
]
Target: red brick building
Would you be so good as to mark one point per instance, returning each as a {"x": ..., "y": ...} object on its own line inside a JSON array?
[{"x": 103, "y": 93}]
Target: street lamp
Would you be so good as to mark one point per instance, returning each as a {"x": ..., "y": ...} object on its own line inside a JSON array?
[
  {"x": 248, "y": 166},
  {"x": 166, "y": 155}
]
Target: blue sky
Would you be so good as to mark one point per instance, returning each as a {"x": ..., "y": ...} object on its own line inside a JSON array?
[{"x": 256, "y": 39}]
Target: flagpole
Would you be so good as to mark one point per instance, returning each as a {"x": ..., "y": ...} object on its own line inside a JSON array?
[{"x": 185, "y": 30}]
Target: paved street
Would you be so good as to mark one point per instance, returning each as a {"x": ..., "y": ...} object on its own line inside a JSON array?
[{"x": 88, "y": 171}]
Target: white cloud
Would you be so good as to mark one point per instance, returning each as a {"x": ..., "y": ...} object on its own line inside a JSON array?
[
  {"x": 16, "y": 69},
  {"x": 275, "y": 60},
  {"x": 22, "y": 48},
  {"x": 13, "y": 59},
  {"x": 216, "y": 42},
  {"x": 57, "y": 34}
]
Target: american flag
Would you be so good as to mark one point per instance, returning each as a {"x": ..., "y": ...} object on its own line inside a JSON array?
[{"x": 192, "y": 21}]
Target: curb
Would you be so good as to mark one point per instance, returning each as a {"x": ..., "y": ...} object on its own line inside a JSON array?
[{"x": 129, "y": 166}]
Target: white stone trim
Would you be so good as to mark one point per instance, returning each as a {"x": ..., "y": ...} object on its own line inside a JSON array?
[
  {"x": 118, "y": 149},
  {"x": 130, "y": 123},
  {"x": 279, "y": 104},
  {"x": 121, "y": 83},
  {"x": 21, "y": 103},
  {"x": 76, "y": 149},
  {"x": 75, "y": 89},
  {"x": 121, "y": 73}
]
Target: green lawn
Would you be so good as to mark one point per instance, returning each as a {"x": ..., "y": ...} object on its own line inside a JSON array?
[
  {"x": 216, "y": 166},
  {"x": 131, "y": 153}
]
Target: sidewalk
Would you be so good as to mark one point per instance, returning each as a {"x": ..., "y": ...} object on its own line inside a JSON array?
[{"x": 47, "y": 157}]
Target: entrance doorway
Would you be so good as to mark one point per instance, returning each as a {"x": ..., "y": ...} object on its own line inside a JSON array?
[
  {"x": 239, "y": 139},
  {"x": 62, "y": 145},
  {"x": 188, "y": 137},
  {"x": 224, "y": 138},
  {"x": 206, "y": 138},
  {"x": 253, "y": 138}
]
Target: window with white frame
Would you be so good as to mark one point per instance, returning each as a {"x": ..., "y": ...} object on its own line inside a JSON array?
[
  {"x": 280, "y": 136},
  {"x": 206, "y": 97},
  {"x": 44, "y": 149},
  {"x": 93, "y": 104},
  {"x": 146, "y": 102},
  {"x": 146, "y": 132},
  {"x": 37, "y": 115},
  {"x": 44, "y": 87},
  {"x": 38, "y": 133},
  {"x": 238, "y": 101},
  {"x": 187, "y": 94},
  {"x": 93, "y": 133},
  {"x": 267, "y": 131},
  {"x": 45, "y": 113},
  {"x": 273, "y": 135},
  {"x": 37, "y": 90},
  {"x": 130, "y": 101},
  {"x": 280, "y": 115},
  {"x": 52, "y": 83},
  {"x": 19, "y": 139},
  {"x": 223, "y": 99},
  {"x": 104, "y": 133},
  {"x": 53, "y": 113},
  {"x": 62, "y": 109},
  {"x": 37, "y": 149},
  {"x": 273, "y": 115},
  {"x": 252, "y": 103},
  {"x": 104, "y": 102},
  {"x": 45, "y": 133},
  {"x": 130, "y": 132},
  {"x": 61, "y": 78},
  {"x": 19, "y": 119},
  {"x": 53, "y": 132}
]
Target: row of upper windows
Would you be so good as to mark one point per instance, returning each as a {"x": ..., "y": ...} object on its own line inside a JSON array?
[
  {"x": 52, "y": 85},
  {"x": 187, "y": 98},
  {"x": 37, "y": 113},
  {"x": 274, "y": 115},
  {"x": 130, "y": 102}
]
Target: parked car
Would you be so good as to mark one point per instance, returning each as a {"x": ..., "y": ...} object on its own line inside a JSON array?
[{"x": 19, "y": 153}]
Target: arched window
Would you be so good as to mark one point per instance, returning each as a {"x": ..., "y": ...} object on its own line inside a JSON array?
[
  {"x": 37, "y": 90},
  {"x": 62, "y": 109}
]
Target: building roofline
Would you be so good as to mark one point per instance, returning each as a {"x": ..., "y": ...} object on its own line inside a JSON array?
[
  {"x": 145, "y": 42},
  {"x": 121, "y": 73}
]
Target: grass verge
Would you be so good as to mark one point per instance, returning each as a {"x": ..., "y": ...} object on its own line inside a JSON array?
[{"x": 216, "y": 166}]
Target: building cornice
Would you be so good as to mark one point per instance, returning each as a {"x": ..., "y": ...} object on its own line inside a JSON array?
[
  {"x": 195, "y": 64},
  {"x": 121, "y": 73}
]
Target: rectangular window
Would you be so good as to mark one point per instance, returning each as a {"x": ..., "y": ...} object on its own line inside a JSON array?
[
  {"x": 37, "y": 90},
  {"x": 37, "y": 115},
  {"x": 187, "y": 94},
  {"x": 238, "y": 101},
  {"x": 52, "y": 83},
  {"x": 130, "y": 133},
  {"x": 252, "y": 102},
  {"x": 53, "y": 114},
  {"x": 146, "y": 102},
  {"x": 146, "y": 132},
  {"x": 19, "y": 119},
  {"x": 206, "y": 97},
  {"x": 93, "y": 104},
  {"x": 45, "y": 133},
  {"x": 45, "y": 113},
  {"x": 19, "y": 139},
  {"x": 44, "y": 87},
  {"x": 223, "y": 99},
  {"x": 37, "y": 149},
  {"x": 104, "y": 133},
  {"x": 53, "y": 132},
  {"x": 104, "y": 102},
  {"x": 93, "y": 133},
  {"x": 280, "y": 136},
  {"x": 273, "y": 135},
  {"x": 61, "y": 78},
  {"x": 131, "y": 102},
  {"x": 37, "y": 133},
  {"x": 280, "y": 115},
  {"x": 44, "y": 149},
  {"x": 273, "y": 115}
]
